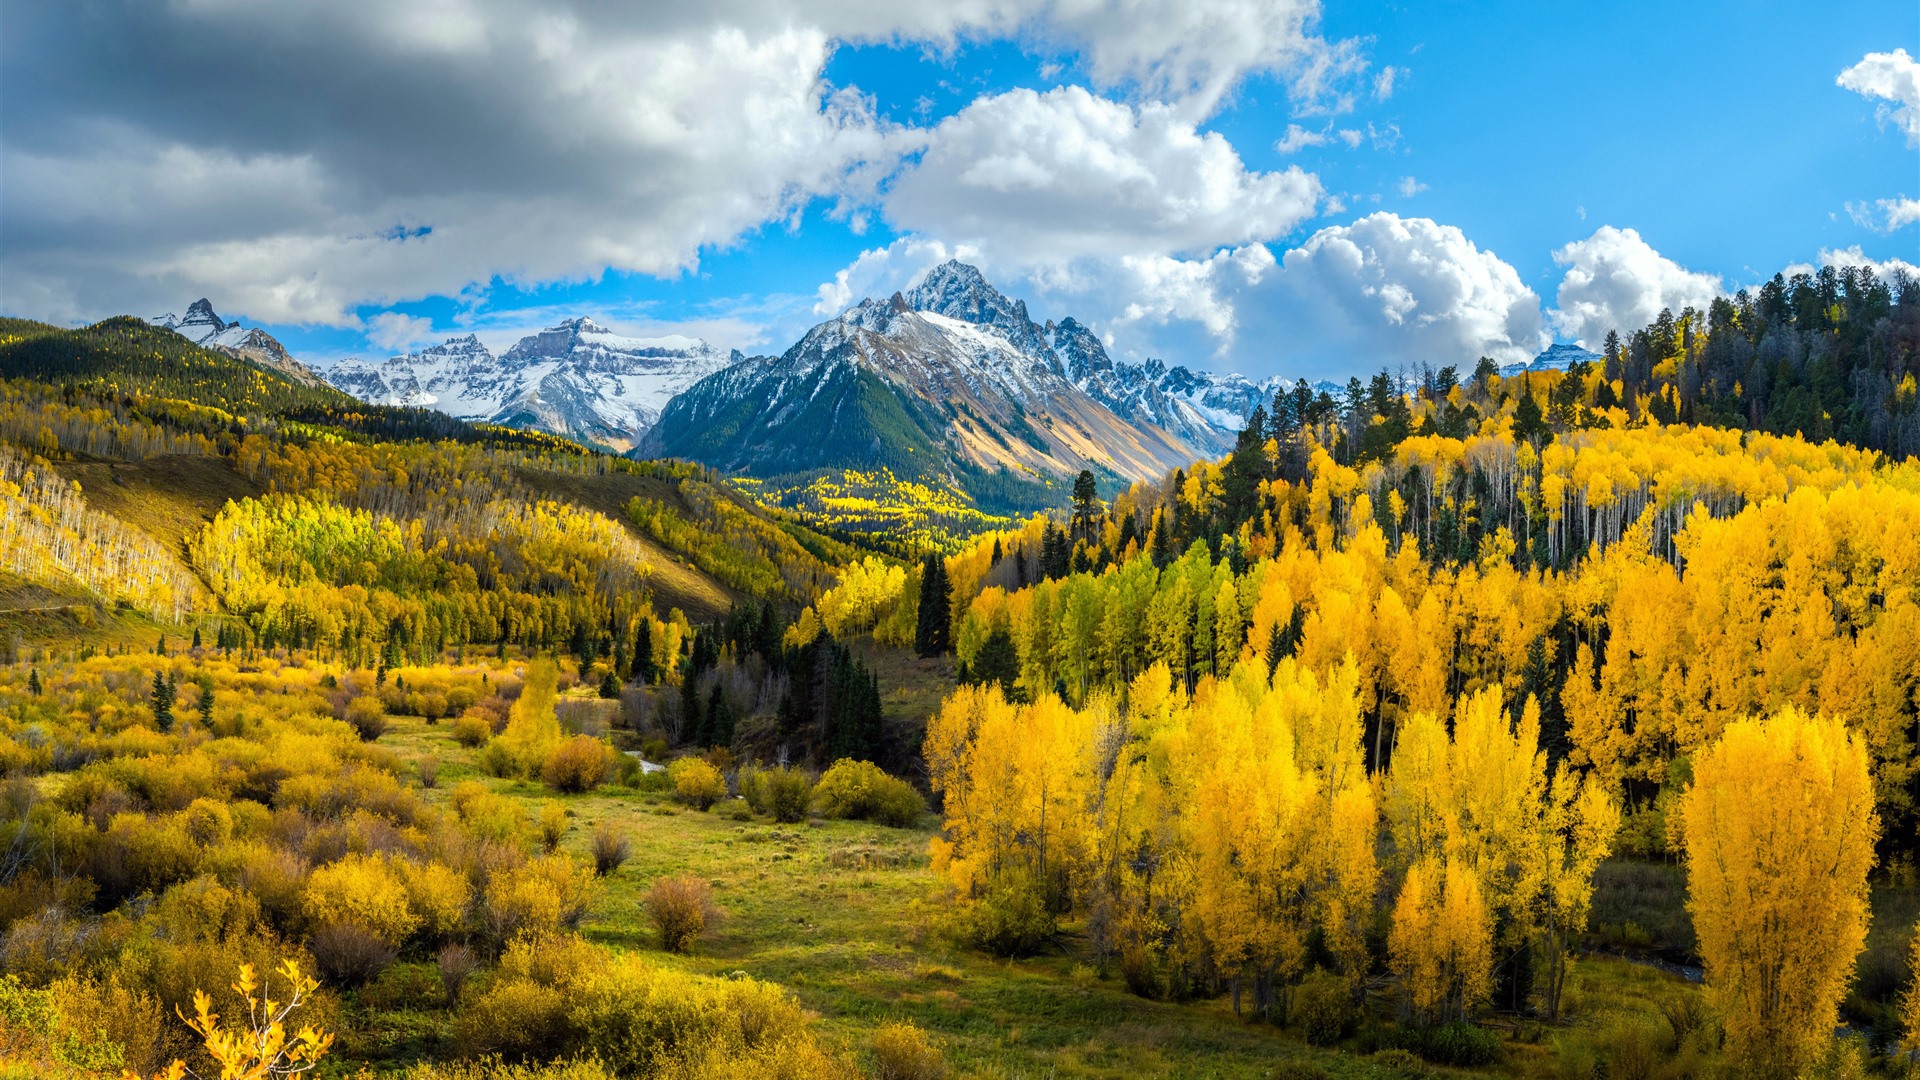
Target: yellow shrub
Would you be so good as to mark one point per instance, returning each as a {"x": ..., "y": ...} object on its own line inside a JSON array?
[
  {"x": 682, "y": 908},
  {"x": 637, "y": 1017},
  {"x": 205, "y": 908},
  {"x": 540, "y": 896},
  {"x": 515, "y": 1019},
  {"x": 473, "y": 728},
  {"x": 438, "y": 894},
  {"x": 901, "y": 1052},
  {"x": 696, "y": 782},
  {"x": 487, "y": 815},
  {"x": 859, "y": 789},
  {"x": 578, "y": 764},
  {"x": 207, "y": 822},
  {"x": 362, "y": 891}
]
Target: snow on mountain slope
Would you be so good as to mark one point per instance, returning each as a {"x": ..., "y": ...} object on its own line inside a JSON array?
[
  {"x": 1558, "y": 357},
  {"x": 949, "y": 376},
  {"x": 576, "y": 378},
  {"x": 208, "y": 330}
]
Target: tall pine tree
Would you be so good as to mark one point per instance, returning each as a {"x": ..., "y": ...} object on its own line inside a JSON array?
[{"x": 933, "y": 634}]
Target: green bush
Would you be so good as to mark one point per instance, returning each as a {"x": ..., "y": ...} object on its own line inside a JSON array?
[
  {"x": 860, "y": 790},
  {"x": 1459, "y": 1045},
  {"x": 1323, "y": 1006},
  {"x": 784, "y": 792},
  {"x": 1010, "y": 920}
]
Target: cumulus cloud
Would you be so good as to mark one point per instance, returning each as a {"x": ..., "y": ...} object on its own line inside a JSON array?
[
  {"x": 305, "y": 158},
  {"x": 1409, "y": 187},
  {"x": 885, "y": 270},
  {"x": 1384, "y": 291},
  {"x": 1617, "y": 281},
  {"x": 1894, "y": 79},
  {"x": 1388, "y": 290},
  {"x": 1036, "y": 178},
  {"x": 302, "y": 158}
]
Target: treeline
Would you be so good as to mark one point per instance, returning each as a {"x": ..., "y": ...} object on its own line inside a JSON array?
[{"x": 128, "y": 356}]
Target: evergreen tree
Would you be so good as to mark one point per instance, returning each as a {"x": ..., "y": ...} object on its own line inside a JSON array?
[
  {"x": 196, "y": 639},
  {"x": 1086, "y": 504},
  {"x": 1245, "y": 469},
  {"x": 33, "y": 682},
  {"x": 933, "y": 634},
  {"x": 1528, "y": 422},
  {"x": 719, "y": 719},
  {"x": 691, "y": 728},
  {"x": 163, "y": 695},
  {"x": 610, "y": 686},
  {"x": 643, "y": 670}
]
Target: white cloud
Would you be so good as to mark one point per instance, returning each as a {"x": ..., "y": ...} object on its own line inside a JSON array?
[
  {"x": 1885, "y": 215},
  {"x": 397, "y": 332},
  {"x": 1164, "y": 290},
  {"x": 1387, "y": 290},
  {"x": 1051, "y": 178},
  {"x": 1383, "y": 83},
  {"x": 1617, "y": 281},
  {"x": 1853, "y": 256},
  {"x": 265, "y": 154},
  {"x": 534, "y": 149},
  {"x": 1298, "y": 138},
  {"x": 1383, "y": 291},
  {"x": 1893, "y": 78},
  {"x": 1195, "y": 51},
  {"x": 1409, "y": 187}
]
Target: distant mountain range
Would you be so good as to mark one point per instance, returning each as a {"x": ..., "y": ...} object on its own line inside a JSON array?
[
  {"x": 948, "y": 380},
  {"x": 576, "y": 378},
  {"x": 208, "y": 330}
]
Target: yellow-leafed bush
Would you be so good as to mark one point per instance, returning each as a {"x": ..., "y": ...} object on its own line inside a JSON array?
[
  {"x": 696, "y": 782},
  {"x": 859, "y": 789},
  {"x": 581, "y": 763},
  {"x": 362, "y": 891}
]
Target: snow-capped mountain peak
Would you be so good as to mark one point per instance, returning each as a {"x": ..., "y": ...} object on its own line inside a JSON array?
[
  {"x": 575, "y": 378},
  {"x": 205, "y": 328}
]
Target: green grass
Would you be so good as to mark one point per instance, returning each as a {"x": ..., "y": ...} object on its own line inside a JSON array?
[{"x": 850, "y": 917}]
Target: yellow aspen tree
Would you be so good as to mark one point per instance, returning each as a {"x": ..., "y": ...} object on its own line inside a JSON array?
[
  {"x": 1245, "y": 827},
  {"x": 1419, "y": 791},
  {"x": 1577, "y": 824},
  {"x": 1441, "y": 941},
  {"x": 1780, "y": 828}
]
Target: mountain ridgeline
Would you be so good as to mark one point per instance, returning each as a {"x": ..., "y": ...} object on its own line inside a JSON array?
[{"x": 953, "y": 381}]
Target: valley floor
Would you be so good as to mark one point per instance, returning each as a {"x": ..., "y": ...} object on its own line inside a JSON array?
[{"x": 850, "y": 918}]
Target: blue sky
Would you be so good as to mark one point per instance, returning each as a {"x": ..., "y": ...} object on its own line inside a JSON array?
[{"x": 1461, "y": 178}]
